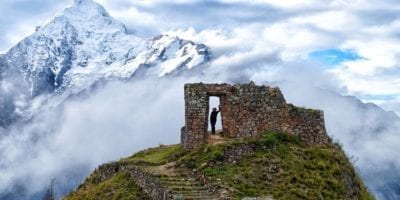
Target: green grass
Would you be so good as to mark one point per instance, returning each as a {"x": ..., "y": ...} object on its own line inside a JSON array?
[
  {"x": 303, "y": 109},
  {"x": 118, "y": 187},
  {"x": 282, "y": 167},
  {"x": 156, "y": 156}
]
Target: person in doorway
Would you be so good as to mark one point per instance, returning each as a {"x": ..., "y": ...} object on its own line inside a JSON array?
[{"x": 213, "y": 118}]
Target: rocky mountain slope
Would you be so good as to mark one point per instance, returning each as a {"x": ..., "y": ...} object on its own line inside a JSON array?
[
  {"x": 274, "y": 166},
  {"x": 79, "y": 47},
  {"x": 83, "y": 46}
]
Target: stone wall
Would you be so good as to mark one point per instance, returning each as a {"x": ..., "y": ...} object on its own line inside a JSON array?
[
  {"x": 236, "y": 153},
  {"x": 247, "y": 110},
  {"x": 144, "y": 180}
]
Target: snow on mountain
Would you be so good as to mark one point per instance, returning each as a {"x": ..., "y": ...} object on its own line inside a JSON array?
[{"x": 84, "y": 44}]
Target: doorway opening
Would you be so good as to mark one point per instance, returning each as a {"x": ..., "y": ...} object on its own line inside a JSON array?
[{"x": 214, "y": 102}]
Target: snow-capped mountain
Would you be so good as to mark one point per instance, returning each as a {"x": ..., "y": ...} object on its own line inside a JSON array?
[{"x": 81, "y": 45}]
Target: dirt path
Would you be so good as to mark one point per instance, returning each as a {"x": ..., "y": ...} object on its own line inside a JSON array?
[
  {"x": 166, "y": 169},
  {"x": 216, "y": 138}
]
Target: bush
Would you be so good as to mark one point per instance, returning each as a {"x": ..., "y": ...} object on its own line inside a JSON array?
[{"x": 272, "y": 137}]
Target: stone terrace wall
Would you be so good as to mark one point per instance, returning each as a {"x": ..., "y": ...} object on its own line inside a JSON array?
[
  {"x": 144, "y": 180},
  {"x": 247, "y": 110}
]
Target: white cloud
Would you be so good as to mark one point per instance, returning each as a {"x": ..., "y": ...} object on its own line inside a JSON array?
[
  {"x": 335, "y": 20},
  {"x": 287, "y": 3},
  {"x": 135, "y": 15},
  {"x": 19, "y": 18},
  {"x": 114, "y": 122},
  {"x": 267, "y": 41}
]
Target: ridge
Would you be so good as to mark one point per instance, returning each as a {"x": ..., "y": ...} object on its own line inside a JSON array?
[
  {"x": 278, "y": 162},
  {"x": 273, "y": 166},
  {"x": 81, "y": 46}
]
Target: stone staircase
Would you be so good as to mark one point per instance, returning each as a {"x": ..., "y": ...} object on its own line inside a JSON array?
[
  {"x": 181, "y": 183},
  {"x": 187, "y": 188}
]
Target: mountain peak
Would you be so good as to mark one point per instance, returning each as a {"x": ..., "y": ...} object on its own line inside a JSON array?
[
  {"x": 86, "y": 16},
  {"x": 77, "y": 2},
  {"x": 82, "y": 45},
  {"x": 86, "y": 8}
]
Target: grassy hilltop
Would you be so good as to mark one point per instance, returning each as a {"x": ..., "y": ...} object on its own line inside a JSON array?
[{"x": 274, "y": 166}]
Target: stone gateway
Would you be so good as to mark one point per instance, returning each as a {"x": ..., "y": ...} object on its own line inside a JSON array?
[{"x": 248, "y": 110}]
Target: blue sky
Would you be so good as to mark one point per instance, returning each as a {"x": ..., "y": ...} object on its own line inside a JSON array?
[
  {"x": 268, "y": 41},
  {"x": 333, "y": 57},
  {"x": 335, "y": 32}
]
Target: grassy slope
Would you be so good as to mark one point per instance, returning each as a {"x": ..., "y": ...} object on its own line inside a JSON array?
[
  {"x": 282, "y": 168},
  {"x": 156, "y": 156},
  {"x": 118, "y": 187}
]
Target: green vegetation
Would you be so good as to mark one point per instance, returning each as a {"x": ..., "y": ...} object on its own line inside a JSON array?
[
  {"x": 118, "y": 187},
  {"x": 284, "y": 168},
  {"x": 156, "y": 156},
  {"x": 281, "y": 166},
  {"x": 303, "y": 109}
]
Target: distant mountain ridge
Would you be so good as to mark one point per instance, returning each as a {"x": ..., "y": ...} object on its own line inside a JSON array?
[
  {"x": 84, "y": 45},
  {"x": 81, "y": 45}
]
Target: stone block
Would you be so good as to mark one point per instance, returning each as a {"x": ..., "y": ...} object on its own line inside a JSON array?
[{"x": 248, "y": 110}]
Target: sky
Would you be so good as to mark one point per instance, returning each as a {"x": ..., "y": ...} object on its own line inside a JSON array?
[
  {"x": 356, "y": 41},
  {"x": 315, "y": 50}
]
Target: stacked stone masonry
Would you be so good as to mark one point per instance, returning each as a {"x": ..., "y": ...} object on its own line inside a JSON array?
[
  {"x": 248, "y": 110},
  {"x": 144, "y": 180}
]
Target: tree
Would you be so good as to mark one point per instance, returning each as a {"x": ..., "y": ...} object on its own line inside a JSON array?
[{"x": 50, "y": 195}]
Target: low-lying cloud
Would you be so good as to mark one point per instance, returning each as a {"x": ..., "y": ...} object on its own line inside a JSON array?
[
  {"x": 71, "y": 140},
  {"x": 265, "y": 42}
]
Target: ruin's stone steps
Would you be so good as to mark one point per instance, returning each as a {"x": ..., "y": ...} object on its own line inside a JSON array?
[
  {"x": 181, "y": 184},
  {"x": 187, "y": 188}
]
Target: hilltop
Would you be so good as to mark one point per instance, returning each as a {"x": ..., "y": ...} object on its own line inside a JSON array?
[
  {"x": 82, "y": 51},
  {"x": 293, "y": 158},
  {"x": 272, "y": 166}
]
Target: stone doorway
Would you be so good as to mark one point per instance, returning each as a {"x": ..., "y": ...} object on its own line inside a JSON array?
[
  {"x": 248, "y": 110},
  {"x": 215, "y": 102}
]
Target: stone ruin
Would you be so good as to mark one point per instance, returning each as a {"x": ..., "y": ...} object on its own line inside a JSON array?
[{"x": 247, "y": 110}]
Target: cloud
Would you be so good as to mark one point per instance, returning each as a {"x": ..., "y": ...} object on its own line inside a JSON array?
[
  {"x": 19, "y": 18},
  {"x": 296, "y": 30},
  {"x": 265, "y": 41},
  {"x": 74, "y": 139}
]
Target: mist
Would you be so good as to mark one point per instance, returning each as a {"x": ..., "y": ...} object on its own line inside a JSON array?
[
  {"x": 68, "y": 141},
  {"x": 266, "y": 43}
]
